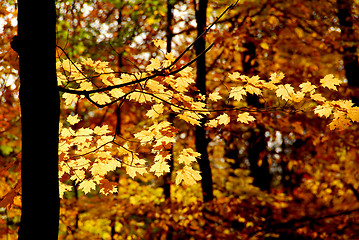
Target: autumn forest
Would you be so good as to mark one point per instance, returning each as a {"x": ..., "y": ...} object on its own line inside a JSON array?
[{"x": 179, "y": 119}]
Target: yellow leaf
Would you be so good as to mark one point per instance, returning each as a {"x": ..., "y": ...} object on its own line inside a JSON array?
[
  {"x": 214, "y": 96},
  {"x": 237, "y": 93},
  {"x": 69, "y": 98},
  {"x": 353, "y": 114},
  {"x": 323, "y": 110},
  {"x": 339, "y": 122},
  {"x": 329, "y": 81},
  {"x": 245, "y": 118},
  {"x": 188, "y": 176},
  {"x": 133, "y": 170},
  {"x": 73, "y": 119},
  {"x": 116, "y": 92},
  {"x": 307, "y": 87},
  {"x": 155, "y": 111},
  {"x": 87, "y": 186},
  {"x": 140, "y": 97},
  {"x": 190, "y": 117},
  {"x": 101, "y": 130},
  {"x": 63, "y": 188},
  {"x": 276, "y": 77},
  {"x": 223, "y": 119},
  {"x": 285, "y": 91},
  {"x": 155, "y": 64},
  {"x": 253, "y": 90},
  {"x": 160, "y": 167},
  {"x": 234, "y": 76},
  {"x": 159, "y": 43},
  {"x": 212, "y": 123},
  {"x": 298, "y": 96},
  {"x": 318, "y": 97},
  {"x": 188, "y": 156},
  {"x": 144, "y": 136},
  {"x": 101, "y": 98}
]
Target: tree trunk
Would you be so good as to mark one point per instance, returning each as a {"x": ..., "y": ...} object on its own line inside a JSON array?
[
  {"x": 350, "y": 57},
  {"x": 257, "y": 146},
  {"x": 169, "y": 36},
  {"x": 39, "y": 100},
  {"x": 201, "y": 138}
]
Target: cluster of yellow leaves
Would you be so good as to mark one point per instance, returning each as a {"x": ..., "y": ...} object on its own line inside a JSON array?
[
  {"x": 78, "y": 161},
  {"x": 89, "y": 154},
  {"x": 342, "y": 111}
]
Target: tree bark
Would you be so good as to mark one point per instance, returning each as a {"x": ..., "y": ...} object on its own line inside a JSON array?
[
  {"x": 350, "y": 43},
  {"x": 39, "y": 100},
  {"x": 169, "y": 36},
  {"x": 201, "y": 138}
]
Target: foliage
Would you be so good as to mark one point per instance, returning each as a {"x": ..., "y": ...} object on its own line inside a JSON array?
[{"x": 129, "y": 107}]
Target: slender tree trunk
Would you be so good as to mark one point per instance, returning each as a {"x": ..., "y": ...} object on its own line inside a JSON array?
[
  {"x": 257, "y": 142},
  {"x": 350, "y": 43},
  {"x": 39, "y": 100},
  {"x": 169, "y": 36},
  {"x": 201, "y": 138}
]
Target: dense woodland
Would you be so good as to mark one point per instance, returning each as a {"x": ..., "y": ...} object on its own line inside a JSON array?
[{"x": 181, "y": 119}]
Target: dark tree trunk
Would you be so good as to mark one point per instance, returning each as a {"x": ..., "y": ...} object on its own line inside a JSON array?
[
  {"x": 257, "y": 142},
  {"x": 350, "y": 43},
  {"x": 39, "y": 100},
  {"x": 169, "y": 36},
  {"x": 201, "y": 138}
]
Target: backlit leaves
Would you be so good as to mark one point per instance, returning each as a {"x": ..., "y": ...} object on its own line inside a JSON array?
[{"x": 89, "y": 154}]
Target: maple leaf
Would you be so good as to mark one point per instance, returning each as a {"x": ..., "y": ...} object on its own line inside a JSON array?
[
  {"x": 298, "y": 96},
  {"x": 339, "y": 122},
  {"x": 329, "y": 81},
  {"x": 101, "y": 98},
  {"x": 323, "y": 110},
  {"x": 159, "y": 43},
  {"x": 353, "y": 114},
  {"x": 214, "y": 96},
  {"x": 101, "y": 130},
  {"x": 307, "y": 87},
  {"x": 144, "y": 136},
  {"x": 188, "y": 176},
  {"x": 234, "y": 76},
  {"x": 155, "y": 64},
  {"x": 160, "y": 167},
  {"x": 140, "y": 97},
  {"x": 116, "y": 93},
  {"x": 133, "y": 170},
  {"x": 86, "y": 86},
  {"x": 237, "y": 93},
  {"x": 245, "y": 118},
  {"x": 87, "y": 186},
  {"x": 253, "y": 90},
  {"x": 155, "y": 111},
  {"x": 188, "y": 156},
  {"x": 170, "y": 57},
  {"x": 190, "y": 117},
  {"x": 276, "y": 77},
  {"x": 69, "y": 98},
  {"x": 285, "y": 91},
  {"x": 212, "y": 123},
  {"x": 63, "y": 188},
  {"x": 318, "y": 97},
  {"x": 223, "y": 119},
  {"x": 73, "y": 119}
]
